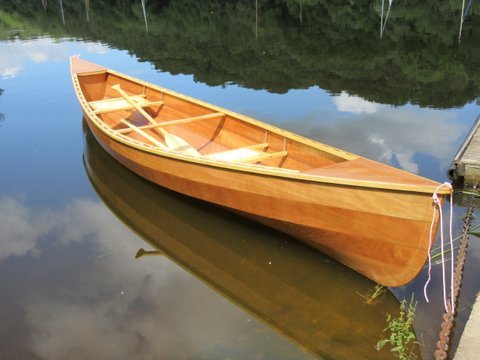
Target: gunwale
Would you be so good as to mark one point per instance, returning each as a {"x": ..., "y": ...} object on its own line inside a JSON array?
[{"x": 82, "y": 69}]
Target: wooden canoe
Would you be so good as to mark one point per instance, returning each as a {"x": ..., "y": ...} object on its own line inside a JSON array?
[
  {"x": 371, "y": 217},
  {"x": 296, "y": 291}
]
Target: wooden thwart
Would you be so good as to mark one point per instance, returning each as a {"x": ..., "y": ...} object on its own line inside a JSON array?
[{"x": 176, "y": 122}]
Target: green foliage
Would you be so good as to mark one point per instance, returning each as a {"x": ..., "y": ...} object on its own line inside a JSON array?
[{"x": 400, "y": 331}]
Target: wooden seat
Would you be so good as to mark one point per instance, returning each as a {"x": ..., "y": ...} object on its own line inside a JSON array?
[
  {"x": 233, "y": 155},
  {"x": 117, "y": 104},
  {"x": 247, "y": 154}
]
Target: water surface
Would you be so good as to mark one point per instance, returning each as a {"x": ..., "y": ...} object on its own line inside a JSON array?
[{"x": 213, "y": 285}]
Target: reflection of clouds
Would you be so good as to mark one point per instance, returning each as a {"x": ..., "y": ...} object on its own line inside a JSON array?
[
  {"x": 7, "y": 72},
  {"x": 94, "y": 48},
  {"x": 37, "y": 50},
  {"x": 135, "y": 324},
  {"x": 113, "y": 306},
  {"x": 19, "y": 52},
  {"x": 393, "y": 134},
  {"x": 21, "y": 228},
  {"x": 354, "y": 104},
  {"x": 85, "y": 218}
]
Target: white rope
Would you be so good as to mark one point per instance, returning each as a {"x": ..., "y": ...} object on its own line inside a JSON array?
[{"x": 437, "y": 204}]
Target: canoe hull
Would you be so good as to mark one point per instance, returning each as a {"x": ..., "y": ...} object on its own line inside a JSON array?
[{"x": 373, "y": 231}]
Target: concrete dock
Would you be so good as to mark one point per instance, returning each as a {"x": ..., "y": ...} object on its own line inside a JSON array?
[{"x": 469, "y": 346}]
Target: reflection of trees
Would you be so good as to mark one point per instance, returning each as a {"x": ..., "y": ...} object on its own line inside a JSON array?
[{"x": 294, "y": 44}]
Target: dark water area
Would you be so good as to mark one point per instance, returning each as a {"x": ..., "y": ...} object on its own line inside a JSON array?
[{"x": 97, "y": 263}]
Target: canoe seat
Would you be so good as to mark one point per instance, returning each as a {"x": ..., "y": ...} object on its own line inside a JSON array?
[
  {"x": 116, "y": 104},
  {"x": 233, "y": 155},
  {"x": 247, "y": 154}
]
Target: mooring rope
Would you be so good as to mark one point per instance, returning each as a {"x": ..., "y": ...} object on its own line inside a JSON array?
[
  {"x": 448, "y": 317},
  {"x": 438, "y": 205}
]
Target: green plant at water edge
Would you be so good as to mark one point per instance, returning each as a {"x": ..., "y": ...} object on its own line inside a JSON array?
[
  {"x": 400, "y": 329},
  {"x": 374, "y": 294}
]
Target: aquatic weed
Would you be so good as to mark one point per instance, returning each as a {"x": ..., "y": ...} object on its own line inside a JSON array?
[{"x": 400, "y": 329}]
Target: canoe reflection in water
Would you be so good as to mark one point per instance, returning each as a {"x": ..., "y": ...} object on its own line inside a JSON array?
[{"x": 296, "y": 290}]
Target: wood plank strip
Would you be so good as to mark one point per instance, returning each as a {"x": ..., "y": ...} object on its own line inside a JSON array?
[
  {"x": 287, "y": 170},
  {"x": 263, "y": 156},
  {"x": 190, "y": 119},
  {"x": 249, "y": 147},
  {"x": 89, "y": 73},
  {"x": 144, "y": 134}
]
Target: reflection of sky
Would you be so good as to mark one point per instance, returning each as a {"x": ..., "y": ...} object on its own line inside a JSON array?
[
  {"x": 393, "y": 134},
  {"x": 116, "y": 307},
  {"x": 79, "y": 244},
  {"x": 42, "y": 50}
]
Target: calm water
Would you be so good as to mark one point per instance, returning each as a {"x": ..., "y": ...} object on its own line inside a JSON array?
[{"x": 212, "y": 285}]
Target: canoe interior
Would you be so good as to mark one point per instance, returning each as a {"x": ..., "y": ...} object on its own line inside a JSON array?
[{"x": 208, "y": 136}]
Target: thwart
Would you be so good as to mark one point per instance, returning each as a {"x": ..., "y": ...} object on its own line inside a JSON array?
[{"x": 373, "y": 218}]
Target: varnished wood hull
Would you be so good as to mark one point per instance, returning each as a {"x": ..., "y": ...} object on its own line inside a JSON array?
[{"x": 383, "y": 233}]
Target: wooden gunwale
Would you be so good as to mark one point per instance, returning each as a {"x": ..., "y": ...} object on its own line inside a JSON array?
[{"x": 236, "y": 166}]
